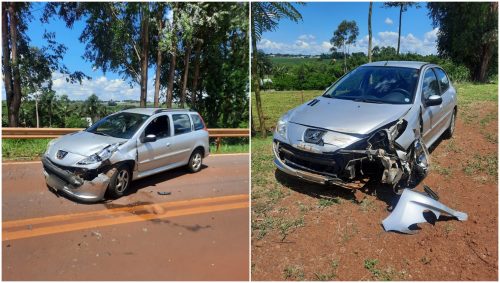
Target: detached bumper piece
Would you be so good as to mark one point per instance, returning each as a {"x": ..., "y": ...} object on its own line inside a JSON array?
[
  {"x": 73, "y": 184},
  {"x": 410, "y": 211}
]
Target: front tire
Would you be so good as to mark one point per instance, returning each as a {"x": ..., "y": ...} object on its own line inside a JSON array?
[
  {"x": 195, "y": 161},
  {"x": 451, "y": 128},
  {"x": 120, "y": 181}
]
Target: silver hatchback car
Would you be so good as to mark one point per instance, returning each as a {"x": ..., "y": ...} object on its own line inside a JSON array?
[
  {"x": 122, "y": 147},
  {"x": 377, "y": 120}
]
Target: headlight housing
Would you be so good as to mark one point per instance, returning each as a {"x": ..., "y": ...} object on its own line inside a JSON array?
[
  {"x": 50, "y": 144},
  {"x": 100, "y": 156},
  {"x": 281, "y": 128}
]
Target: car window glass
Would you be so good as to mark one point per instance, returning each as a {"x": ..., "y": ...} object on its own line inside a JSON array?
[
  {"x": 158, "y": 127},
  {"x": 377, "y": 84},
  {"x": 198, "y": 124},
  {"x": 430, "y": 85},
  {"x": 182, "y": 123},
  {"x": 444, "y": 83},
  {"x": 120, "y": 125}
]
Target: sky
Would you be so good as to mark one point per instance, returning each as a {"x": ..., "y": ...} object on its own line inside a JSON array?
[
  {"x": 312, "y": 35},
  {"x": 106, "y": 86}
]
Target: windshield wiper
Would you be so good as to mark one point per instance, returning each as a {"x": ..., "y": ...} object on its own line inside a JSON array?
[
  {"x": 368, "y": 100},
  {"x": 101, "y": 133}
]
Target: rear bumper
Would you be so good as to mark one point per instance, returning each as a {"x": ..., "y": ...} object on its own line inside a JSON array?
[
  {"x": 73, "y": 186},
  {"x": 312, "y": 177}
]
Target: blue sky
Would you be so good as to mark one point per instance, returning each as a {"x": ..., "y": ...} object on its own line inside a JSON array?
[
  {"x": 106, "y": 86},
  {"x": 312, "y": 35}
]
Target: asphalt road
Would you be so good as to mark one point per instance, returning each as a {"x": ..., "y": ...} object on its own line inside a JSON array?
[{"x": 198, "y": 232}]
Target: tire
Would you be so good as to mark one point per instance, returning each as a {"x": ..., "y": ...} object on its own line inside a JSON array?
[
  {"x": 119, "y": 183},
  {"x": 195, "y": 161},
  {"x": 451, "y": 128}
]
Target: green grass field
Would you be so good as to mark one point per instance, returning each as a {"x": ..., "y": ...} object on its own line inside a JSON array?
[
  {"x": 33, "y": 149},
  {"x": 289, "y": 61}
]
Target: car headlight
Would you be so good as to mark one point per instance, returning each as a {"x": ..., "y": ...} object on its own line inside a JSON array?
[
  {"x": 50, "y": 144},
  {"x": 100, "y": 156},
  {"x": 281, "y": 128}
]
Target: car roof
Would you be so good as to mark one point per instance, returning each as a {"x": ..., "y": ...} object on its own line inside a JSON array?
[
  {"x": 152, "y": 111},
  {"x": 405, "y": 64}
]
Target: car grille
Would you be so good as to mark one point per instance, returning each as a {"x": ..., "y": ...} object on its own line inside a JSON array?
[{"x": 325, "y": 164}]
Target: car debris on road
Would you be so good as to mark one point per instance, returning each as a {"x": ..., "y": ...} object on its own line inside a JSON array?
[{"x": 410, "y": 210}]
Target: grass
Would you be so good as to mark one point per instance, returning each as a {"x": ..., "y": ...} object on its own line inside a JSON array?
[
  {"x": 294, "y": 273},
  {"x": 326, "y": 202},
  {"x": 33, "y": 149},
  {"x": 387, "y": 274},
  {"x": 487, "y": 164}
]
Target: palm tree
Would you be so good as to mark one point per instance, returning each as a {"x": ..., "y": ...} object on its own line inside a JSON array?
[
  {"x": 265, "y": 17},
  {"x": 370, "y": 32},
  {"x": 403, "y": 7}
]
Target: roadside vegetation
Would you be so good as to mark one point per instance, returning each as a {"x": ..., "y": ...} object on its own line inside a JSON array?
[{"x": 33, "y": 149}]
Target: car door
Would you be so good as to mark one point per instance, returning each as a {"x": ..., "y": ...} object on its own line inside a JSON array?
[
  {"x": 155, "y": 154},
  {"x": 182, "y": 139},
  {"x": 448, "y": 97},
  {"x": 431, "y": 115}
]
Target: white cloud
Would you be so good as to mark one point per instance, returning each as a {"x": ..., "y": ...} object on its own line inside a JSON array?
[
  {"x": 388, "y": 21},
  {"x": 104, "y": 88},
  {"x": 306, "y": 44}
]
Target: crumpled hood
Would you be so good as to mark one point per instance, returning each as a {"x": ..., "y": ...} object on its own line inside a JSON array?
[
  {"x": 84, "y": 143},
  {"x": 347, "y": 116}
]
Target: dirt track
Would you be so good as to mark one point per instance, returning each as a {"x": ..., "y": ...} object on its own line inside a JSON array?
[
  {"x": 199, "y": 232},
  {"x": 306, "y": 231}
]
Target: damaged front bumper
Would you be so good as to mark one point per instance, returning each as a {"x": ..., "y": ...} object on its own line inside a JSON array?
[
  {"x": 378, "y": 152},
  {"x": 86, "y": 186}
]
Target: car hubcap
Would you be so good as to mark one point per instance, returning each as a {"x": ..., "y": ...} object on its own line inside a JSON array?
[
  {"x": 196, "y": 161},
  {"x": 122, "y": 181}
]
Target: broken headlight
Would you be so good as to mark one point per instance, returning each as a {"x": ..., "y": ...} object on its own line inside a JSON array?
[
  {"x": 100, "y": 156},
  {"x": 282, "y": 125}
]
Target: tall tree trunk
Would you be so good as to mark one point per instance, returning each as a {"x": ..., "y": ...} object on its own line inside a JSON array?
[
  {"x": 144, "y": 52},
  {"x": 196, "y": 74},
  {"x": 482, "y": 69},
  {"x": 256, "y": 85},
  {"x": 399, "y": 30},
  {"x": 16, "y": 98},
  {"x": 36, "y": 112},
  {"x": 7, "y": 71},
  {"x": 186, "y": 72},
  {"x": 345, "y": 57},
  {"x": 370, "y": 32},
  {"x": 173, "y": 58},
  {"x": 159, "y": 58}
]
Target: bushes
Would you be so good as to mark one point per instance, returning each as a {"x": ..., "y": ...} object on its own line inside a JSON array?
[{"x": 318, "y": 74}]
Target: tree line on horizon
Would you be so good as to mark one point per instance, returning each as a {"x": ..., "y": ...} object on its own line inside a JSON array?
[
  {"x": 199, "y": 54},
  {"x": 467, "y": 46}
]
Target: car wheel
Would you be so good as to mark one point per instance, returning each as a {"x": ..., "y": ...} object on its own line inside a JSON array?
[
  {"x": 120, "y": 181},
  {"x": 195, "y": 161},
  {"x": 451, "y": 128}
]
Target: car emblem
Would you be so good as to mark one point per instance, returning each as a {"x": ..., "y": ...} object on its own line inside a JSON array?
[
  {"x": 314, "y": 136},
  {"x": 61, "y": 154}
]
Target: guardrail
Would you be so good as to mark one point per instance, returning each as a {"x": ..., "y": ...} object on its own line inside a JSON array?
[{"x": 47, "y": 133}]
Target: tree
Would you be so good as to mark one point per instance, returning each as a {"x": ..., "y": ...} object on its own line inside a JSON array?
[
  {"x": 265, "y": 17},
  {"x": 370, "y": 32},
  {"x": 92, "y": 107},
  {"x": 26, "y": 69},
  {"x": 345, "y": 35},
  {"x": 160, "y": 21},
  {"x": 468, "y": 34},
  {"x": 403, "y": 7}
]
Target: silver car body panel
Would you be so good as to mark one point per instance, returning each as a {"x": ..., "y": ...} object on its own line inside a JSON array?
[
  {"x": 410, "y": 210},
  {"x": 347, "y": 122},
  {"x": 148, "y": 158}
]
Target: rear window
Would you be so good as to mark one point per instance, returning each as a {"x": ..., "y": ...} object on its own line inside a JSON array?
[
  {"x": 182, "y": 123},
  {"x": 198, "y": 124}
]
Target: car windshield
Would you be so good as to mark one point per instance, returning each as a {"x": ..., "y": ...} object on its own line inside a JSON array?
[
  {"x": 391, "y": 85},
  {"x": 121, "y": 125}
]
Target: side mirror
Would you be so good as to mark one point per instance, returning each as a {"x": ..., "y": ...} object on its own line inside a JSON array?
[
  {"x": 149, "y": 138},
  {"x": 433, "y": 100}
]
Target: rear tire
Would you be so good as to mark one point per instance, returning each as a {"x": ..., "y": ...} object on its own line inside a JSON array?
[
  {"x": 119, "y": 183},
  {"x": 195, "y": 161},
  {"x": 451, "y": 128}
]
